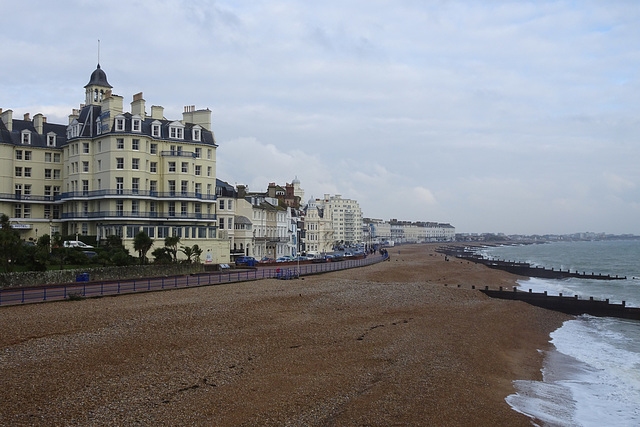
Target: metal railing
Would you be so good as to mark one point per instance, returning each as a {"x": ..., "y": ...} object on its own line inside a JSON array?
[
  {"x": 88, "y": 289},
  {"x": 135, "y": 193},
  {"x": 138, "y": 214}
]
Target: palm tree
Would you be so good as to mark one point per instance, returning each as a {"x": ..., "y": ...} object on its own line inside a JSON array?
[
  {"x": 142, "y": 243},
  {"x": 171, "y": 243}
]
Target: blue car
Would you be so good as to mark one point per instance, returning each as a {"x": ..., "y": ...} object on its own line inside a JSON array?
[{"x": 246, "y": 260}]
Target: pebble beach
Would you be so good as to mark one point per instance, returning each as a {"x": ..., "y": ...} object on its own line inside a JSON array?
[{"x": 402, "y": 342}]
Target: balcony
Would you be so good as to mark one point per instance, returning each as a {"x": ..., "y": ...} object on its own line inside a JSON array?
[
  {"x": 27, "y": 197},
  {"x": 139, "y": 214},
  {"x": 178, "y": 154},
  {"x": 114, "y": 193}
]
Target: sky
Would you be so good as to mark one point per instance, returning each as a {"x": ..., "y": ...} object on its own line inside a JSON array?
[{"x": 494, "y": 116}]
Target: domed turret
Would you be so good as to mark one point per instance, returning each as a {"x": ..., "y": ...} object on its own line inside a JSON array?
[{"x": 97, "y": 86}]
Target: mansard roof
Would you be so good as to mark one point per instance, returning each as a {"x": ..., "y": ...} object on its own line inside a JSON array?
[{"x": 37, "y": 140}]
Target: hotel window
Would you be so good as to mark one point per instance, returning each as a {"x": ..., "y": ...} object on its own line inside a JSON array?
[
  {"x": 47, "y": 192},
  {"x": 155, "y": 131},
  {"x": 154, "y": 149},
  {"x": 134, "y": 207},
  {"x": 135, "y": 163},
  {"x": 172, "y": 208},
  {"x": 221, "y": 223},
  {"x": 136, "y": 125},
  {"x": 85, "y": 186},
  {"x": 196, "y": 134},
  {"x": 119, "y": 207},
  {"x": 47, "y": 173},
  {"x": 99, "y": 165},
  {"x": 184, "y": 186},
  {"x": 51, "y": 140},
  {"x": 119, "y": 185},
  {"x": 48, "y": 157},
  {"x": 119, "y": 124},
  {"x": 99, "y": 146},
  {"x": 197, "y": 208},
  {"x": 208, "y": 170},
  {"x": 135, "y": 144},
  {"x": 56, "y": 157},
  {"x": 172, "y": 186},
  {"x": 85, "y": 229},
  {"x": 153, "y": 168},
  {"x": 27, "y": 155},
  {"x": 198, "y": 188},
  {"x": 135, "y": 185},
  {"x": 198, "y": 152},
  {"x": 18, "y": 154},
  {"x": 185, "y": 167},
  {"x": 209, "y": 154},
  {"x": 229, "y": 204},
  {"x": 56, "y": 174},
  {"x": 85, "y": 167},
  {"x": 18, "y": 190},
  {"x": 153, "y": 186},
  {"x": 183, "y": 208},
  {"x": 18, "y": 171},
  {"x": 152, "y": 209},
  {"x": 221, "y": 204},
  {"x": 47, "y": 211},
  {"x": 27, "y": 191},
  {"x": 172, "y": 166},
  {"x": 119, "y": 162},
  {"x": 120, "y": 143},
  {"x": 26, "y": 137},
  {"x": 85, "y": 148},
  {"x": 198, "y": 170}
]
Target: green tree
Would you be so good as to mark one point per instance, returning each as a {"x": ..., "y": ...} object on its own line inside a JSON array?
[
  {"x": 161, "y": 256},
  {"x": 188, "y": 252},
  {"x": 142, "y": 243},
  {"x": 197, "y": 252},
  {"x": 171, "y": 243},
  {"x": 10, "y": 244}
]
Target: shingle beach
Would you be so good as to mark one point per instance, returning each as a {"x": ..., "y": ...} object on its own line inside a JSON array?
[{"x": 402, "y": 342}]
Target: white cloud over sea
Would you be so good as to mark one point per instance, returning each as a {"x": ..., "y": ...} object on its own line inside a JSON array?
[{"x": 495, "y": 116}]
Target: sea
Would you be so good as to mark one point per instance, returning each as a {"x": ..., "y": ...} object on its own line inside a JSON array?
[{"x": 591, "y": 374}]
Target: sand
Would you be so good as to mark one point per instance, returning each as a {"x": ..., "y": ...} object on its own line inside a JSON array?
[{"x": 403, "y": 342}]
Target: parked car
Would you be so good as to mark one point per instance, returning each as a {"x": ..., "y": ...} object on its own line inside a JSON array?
[
  {"x": 76, "y": 244},
  {"x": 90, "y": 254},
  {"x": 284, "y": 259},
  {"x": 246, "y": 260},
  {"x": 266, "y": 259}
]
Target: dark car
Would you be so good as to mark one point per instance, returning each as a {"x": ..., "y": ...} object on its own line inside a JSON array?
[{"x": 246, "y": 260}]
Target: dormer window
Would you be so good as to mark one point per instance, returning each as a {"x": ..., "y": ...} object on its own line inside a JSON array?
[
  {"x": 51, "y": 140},
  {"x": 136, "y": 124},
  {"x": 119, "y": 124},
  {"x": 155, "y": 129},
  {"x": 26, "y": 137},
  {"x": 196, "y": 133},
  {"x": 176, "y": 130}
]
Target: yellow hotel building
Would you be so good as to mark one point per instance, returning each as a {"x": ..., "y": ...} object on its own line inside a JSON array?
[{"x": 111, "y": 172}]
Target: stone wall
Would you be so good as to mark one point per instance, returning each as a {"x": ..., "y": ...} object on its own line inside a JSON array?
[{"x": 37, "y": 278}]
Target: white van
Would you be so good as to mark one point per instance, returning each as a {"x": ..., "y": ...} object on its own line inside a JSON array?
[{"x": 76, "y": 244}]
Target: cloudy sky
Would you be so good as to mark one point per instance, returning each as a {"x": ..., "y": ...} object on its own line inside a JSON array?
[{"x": 494, "y": 116}]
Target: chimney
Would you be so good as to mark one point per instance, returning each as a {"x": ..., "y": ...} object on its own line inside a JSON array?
[
  {"x": 157, "y": 112},
  {"x": 26, "y": 117},
  {"x": 38, "y": 122},
  {"x": 137, "y": 106},
  {"x": 197, "y": 117},
  {"x": 242, "y": 191},
  {"x": 7, "y": 119}
]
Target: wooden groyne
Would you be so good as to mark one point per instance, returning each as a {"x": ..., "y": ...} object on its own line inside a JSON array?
[
  {"x": 521, "y": 268},
  {"x": 569, "y": 305}
]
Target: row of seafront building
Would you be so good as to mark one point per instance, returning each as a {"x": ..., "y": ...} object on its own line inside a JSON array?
[{"x": 114, "y": 172}]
